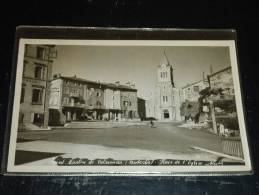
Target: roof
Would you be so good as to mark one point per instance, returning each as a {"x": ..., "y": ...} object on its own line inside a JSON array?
[
  {"x": 118, "y": 86},
  {"x": 79, "y": 79},
  {"x": 107, "y": 85},
  {"x": 188, "y": 85}
]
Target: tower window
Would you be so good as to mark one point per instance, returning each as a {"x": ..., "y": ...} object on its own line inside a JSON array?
[
  {"x": 165, "y": 99},
  {"x": 163, "y": 75}
]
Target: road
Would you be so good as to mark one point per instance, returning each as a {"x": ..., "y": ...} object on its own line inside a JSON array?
[{"x": 166, "y": 139}]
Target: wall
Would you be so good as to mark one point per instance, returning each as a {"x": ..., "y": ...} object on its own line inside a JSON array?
[
  {"x": 93, "y": 97},
  {"x": 55, "y": 98},
  {"x": 112, "y": 99},
  {"x": 129, "y": 96},
  {"x": 189, "y": 93},
  {"x": 72, "y": 89},
  {"x": 141, "y": 108}
]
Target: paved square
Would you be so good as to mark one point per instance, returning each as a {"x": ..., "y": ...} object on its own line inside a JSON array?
[{"x": 166, "y": 140}]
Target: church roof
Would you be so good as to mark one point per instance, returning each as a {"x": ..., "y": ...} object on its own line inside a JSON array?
[{"x": 164, "y": 60}]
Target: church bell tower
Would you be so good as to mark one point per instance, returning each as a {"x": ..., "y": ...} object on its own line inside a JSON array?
[
  {"x": 167, "y": 96},
  {"x": 165, "y": 72}
]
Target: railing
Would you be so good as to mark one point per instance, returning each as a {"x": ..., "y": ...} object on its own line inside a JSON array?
[
  {"x": 232, "y": 146},
  {"x": 74, "y": 105}
]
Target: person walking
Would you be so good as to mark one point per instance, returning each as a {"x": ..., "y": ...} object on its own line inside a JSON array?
[{"x": 151, "y": 123}]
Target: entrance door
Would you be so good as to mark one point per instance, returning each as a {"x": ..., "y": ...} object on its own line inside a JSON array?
[
  {"x": 130, "y": 114},
  {"x": 166, "y": 114},
  {"x": 38, "y": 119},
  {"x": 68, "y": 116}
]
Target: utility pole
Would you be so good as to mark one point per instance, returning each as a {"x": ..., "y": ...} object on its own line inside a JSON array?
[{"x": 211, "y": 69}]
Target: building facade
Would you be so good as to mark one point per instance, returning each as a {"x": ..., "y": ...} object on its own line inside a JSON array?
[
  {"x": 129, "y": 104},
  {"x": 37, "y": 72},
  {"x": 223, "y": 105},
  {"x": 167, "y": 96},
  {"x": 73, "y": 99},
  {"x": 150, "y": 106},
  {"x": 191, "y": 92},
  {"x": 142, "y": 108},
  {"x": 112, "y": 103},
  {"x": 164, "y": 103}
]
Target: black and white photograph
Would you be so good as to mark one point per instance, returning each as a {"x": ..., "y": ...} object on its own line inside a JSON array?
[{"x": 127, "y": 107}]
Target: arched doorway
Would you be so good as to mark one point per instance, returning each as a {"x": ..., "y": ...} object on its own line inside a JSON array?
[{"x": 166, "y": 114}]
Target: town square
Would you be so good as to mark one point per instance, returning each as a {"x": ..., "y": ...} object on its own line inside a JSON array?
[{"x": 111, "y": 102}]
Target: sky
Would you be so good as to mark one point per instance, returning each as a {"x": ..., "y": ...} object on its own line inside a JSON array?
[{"x": 139, "y": 64}]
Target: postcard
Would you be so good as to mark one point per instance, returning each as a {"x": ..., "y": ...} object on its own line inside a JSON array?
[{"x": 127, "y": 107}]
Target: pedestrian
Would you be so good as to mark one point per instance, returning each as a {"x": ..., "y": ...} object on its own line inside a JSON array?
[{"x": 151, "y": 123}]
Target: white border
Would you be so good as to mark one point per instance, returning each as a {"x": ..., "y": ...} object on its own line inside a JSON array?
[{"x": 128, "y": 170}]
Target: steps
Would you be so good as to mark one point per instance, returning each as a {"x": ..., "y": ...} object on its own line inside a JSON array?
[
  {"x": 31, "y": 127},
  {"x": 101, "y": 124}
]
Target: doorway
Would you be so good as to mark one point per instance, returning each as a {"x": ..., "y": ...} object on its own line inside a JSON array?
[
  {"x": 166, "y": 114},
  {"x": 38, "y": 119}
]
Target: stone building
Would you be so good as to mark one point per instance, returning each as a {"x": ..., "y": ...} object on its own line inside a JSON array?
[
  {"x": 75, "y": 99},
  {"x": 150, "y": 105},
  {"x": 191, "y": 91},
  {"x": 120, "y": 101},
  {"x": 72, "y": 97},
  {"x": 142, "y": 108},
  {"x": 37, "y": 72},
  {"x": 129, "y": 103},
  {"x": 112, "y": 103},
  {"x": 165, "y": 103}
]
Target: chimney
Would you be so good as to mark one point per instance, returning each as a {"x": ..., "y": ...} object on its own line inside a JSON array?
[
  {"x": 75, "y": 76},
  {"x": 117, "y": 83}
]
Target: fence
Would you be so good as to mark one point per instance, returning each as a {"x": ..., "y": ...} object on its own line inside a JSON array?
[{"x": 232, "y": 146}]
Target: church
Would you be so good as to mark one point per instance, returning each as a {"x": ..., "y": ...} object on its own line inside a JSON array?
[{"x": 165, "y": 100}]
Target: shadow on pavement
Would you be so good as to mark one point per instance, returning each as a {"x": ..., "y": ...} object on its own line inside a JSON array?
[
  {"x": 21, "y": 140},
  {"x": 22, "y": 157}
]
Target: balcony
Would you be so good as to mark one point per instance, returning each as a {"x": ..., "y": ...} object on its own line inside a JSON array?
[{"x": 72, "y": 104}]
